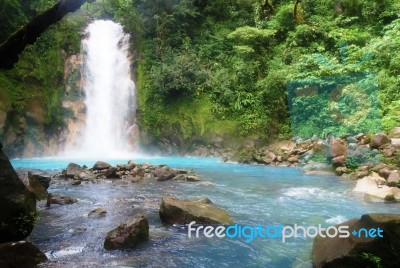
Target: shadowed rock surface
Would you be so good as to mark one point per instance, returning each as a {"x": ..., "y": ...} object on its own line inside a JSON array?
[
  {"x": 350, "y": 252},
  {"x": 21, "y": 254},
  {"x": 17, "y": 204}
]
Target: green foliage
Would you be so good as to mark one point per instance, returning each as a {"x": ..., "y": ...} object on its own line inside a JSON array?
[
  {"x": 374, "y": 260},
  {"x": 16, "y": 13},
  {"x": 39, "y": 73},
  {"x": 206, "y": 67},
  {"x": 352, "y": 163},
  {"x": 26, "y": 222}
]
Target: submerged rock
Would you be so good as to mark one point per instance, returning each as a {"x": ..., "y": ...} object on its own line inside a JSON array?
[
  {"x": 20, "y": 254},
  {"x": 98, "y": 212},
  {"x": 60, "y": 200},
  {"x": 164, "y": 173},
  {"x": 358, "y": 250},
  {"x": 17, "y": 204},
  {"x": 173, "y": 210},
  {"x": 317, "y": 168},
  {"x": 129, "y": 234}
]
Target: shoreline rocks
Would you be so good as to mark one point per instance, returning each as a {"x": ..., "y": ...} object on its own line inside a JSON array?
[{"x": 131, "y": 172}]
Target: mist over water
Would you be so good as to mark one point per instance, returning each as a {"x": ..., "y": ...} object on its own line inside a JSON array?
[{"x": 110, "y": 126}]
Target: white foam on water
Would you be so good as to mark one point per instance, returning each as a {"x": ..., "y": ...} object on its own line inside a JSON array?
[
  {"x": 336, "y": 220},
  {"x": 309, "y": 193},
  {"x": 63, "y": 252}
]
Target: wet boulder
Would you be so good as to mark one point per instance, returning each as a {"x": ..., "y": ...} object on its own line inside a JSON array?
[
  {"x": 37, "y": 188},
  {"x": 40, "y": 176},
  {"x": 16, "y": 203},
  {"x": 358, "y": 250},
  {"x": 164, "y": 173},
  {"x": 71, "y": 170},
  {"x": 85, "y": 175},
  {"x": 100, "y": 165},
  {"x": 97, "y": 213},
  {"x": 20, "y": 254},
  {"x": 174, "y": 210},
  {"x": 58, "y": 199},
  {"x": 129, "y": 234}
]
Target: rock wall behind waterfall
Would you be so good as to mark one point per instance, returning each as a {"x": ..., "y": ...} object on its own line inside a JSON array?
[{"x": 26, "y": 133}]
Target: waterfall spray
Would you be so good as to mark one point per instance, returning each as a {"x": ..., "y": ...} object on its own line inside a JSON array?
[{"x": 110, "y": 125}]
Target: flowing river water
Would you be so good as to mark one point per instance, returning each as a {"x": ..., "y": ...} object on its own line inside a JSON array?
[{"x": 252, "y": 195}]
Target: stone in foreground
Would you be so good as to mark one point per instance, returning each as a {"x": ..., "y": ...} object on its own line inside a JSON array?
[
  {"x": 20, "y": 254},
  {"x": 173, "y": 210},
  {"x": 129, "y": 234},
  {"x": 350, "y": 252},
  {"x": 16, "y": 203}
]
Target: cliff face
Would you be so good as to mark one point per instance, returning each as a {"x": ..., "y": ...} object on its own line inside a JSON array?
[
  {"x": 41, "y": 103},
  {"x": 26, "y": 133}
]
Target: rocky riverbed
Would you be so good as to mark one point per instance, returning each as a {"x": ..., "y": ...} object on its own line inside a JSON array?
[
  {"x": 361, "y": 157},
  {"x": 369, "y": 159}
]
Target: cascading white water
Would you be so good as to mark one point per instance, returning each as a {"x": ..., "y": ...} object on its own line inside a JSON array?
[{"x": 110, "y": 92}]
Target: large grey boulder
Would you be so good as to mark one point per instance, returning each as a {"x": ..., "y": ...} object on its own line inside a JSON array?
[
  {"x": 129, "y": 234},
  {"x": 174, "y": 210},
  {"x": 100, "y": 165},
  {"x": 17, "y": 204},
  {"x": 72, "y": 170}
]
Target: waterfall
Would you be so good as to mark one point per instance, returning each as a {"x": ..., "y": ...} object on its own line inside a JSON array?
[{"x": 110, "y": 124}]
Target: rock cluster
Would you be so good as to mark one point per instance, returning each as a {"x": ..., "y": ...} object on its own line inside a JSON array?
[
  {"x": 132, "y": 172},
  {"x": 351, "y": 156}
]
